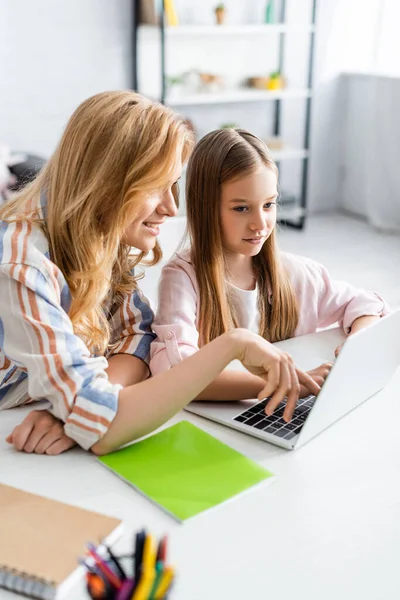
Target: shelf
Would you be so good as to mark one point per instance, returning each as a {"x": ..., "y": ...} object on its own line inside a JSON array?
[
  {"x": 289, "y": 153},
  {"x": 238, "y": 95},
  {"x": 290, "y": 213},
  {"x": 229, "y": 30}
]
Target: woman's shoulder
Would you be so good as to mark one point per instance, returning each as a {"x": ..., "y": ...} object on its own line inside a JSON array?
[{"x": 23, "y": 242}]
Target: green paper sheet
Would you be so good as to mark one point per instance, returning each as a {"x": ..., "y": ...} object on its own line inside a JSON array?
[{"x": 185, "y": 470}]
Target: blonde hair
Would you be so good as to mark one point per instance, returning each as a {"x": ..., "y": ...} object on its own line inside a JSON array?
[
  {"x": 220, "y": 157},
  {"x": 117, "y": 146}
]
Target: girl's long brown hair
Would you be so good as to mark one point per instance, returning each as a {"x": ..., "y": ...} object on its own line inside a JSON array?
[
  {"x": 116, "y": 147},
  {"x": 220, "y": 157}
]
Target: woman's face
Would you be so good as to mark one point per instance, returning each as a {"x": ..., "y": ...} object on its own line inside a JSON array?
[{"x": 155, "y": 208}]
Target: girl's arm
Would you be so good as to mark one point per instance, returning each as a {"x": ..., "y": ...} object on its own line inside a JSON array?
[
  {"x": 324, "y": 301},
  {"x": 357, "y": 325},
  {"x": 147, "y": 405},
  {"x": 341, "y": 302}
]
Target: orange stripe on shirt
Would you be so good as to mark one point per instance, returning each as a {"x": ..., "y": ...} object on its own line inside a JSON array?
[
  {"x": 6, "y": 364},
  {"x": 14, "y": 242},
  {"x": 81, "y": 426},
  {"x": 127, "y": 326},
  {"x": 90, "y": 417},
  {"x": 126, "y": 344},
  {"x": 58, "y": 363},
  {"x": 35, "y": 314},
  {"x": 50, "y": 332},
  {"x": 25, "y": 242}
]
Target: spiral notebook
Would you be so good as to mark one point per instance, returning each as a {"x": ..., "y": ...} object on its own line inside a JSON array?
[{"x": 41, "y": 541}]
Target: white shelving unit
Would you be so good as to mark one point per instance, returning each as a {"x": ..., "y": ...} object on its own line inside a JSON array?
[
  {"x": 236, "y": 95},
  {"x": 227, "y": 30},
  {"x": 292, "y": 208}
]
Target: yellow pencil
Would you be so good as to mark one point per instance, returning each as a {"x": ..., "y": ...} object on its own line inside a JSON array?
[
  {"x": 143, "y": 590},
  {"x": 165, "y": 583},
  {"x": 148, "y": 571}
]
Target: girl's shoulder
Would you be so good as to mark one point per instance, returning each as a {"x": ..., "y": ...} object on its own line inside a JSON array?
[
  {"x": 300, "y": 268},
  {"x": 181, "y": 260},
  {"x": 180, "y": 266}
]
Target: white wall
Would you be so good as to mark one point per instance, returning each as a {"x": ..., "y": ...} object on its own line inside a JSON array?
[
  {"x": 346, "y": 39},
  {"x": 370, "y": 149},
  {"x": 53, "y": 55}
]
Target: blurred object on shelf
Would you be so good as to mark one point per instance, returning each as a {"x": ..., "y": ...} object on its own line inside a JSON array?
[
  {"x": 171, "y": 15},
  {"x": 229, "y": 126},
  {"x": 193, "y": 82},
  {"x": 259, "y": 83},
  {"x": 275, "y": 142},
  {"x": 276, "y": 81},
  {"x": 176, "y": 85},
  {"x": 211, "y": 83},
  {"x": 149, "y": 14},
  {"x": 270, "y": 12},
  {"x": 220, "y": 13}
]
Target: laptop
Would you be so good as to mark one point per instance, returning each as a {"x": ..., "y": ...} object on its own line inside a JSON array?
[{"x": 366, "y": 363}]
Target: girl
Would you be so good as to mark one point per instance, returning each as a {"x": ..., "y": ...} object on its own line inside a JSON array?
[
  {"x": 74, "y": 326},
  {"x": 235, "y": 276}
]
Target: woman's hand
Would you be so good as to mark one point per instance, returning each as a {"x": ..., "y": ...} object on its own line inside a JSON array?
[
  {"x": 283, "y": 379},
  {"x": 40, "y": 433}
]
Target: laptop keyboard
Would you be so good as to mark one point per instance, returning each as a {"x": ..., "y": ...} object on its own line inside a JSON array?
[{"x": 275, "y": 425}]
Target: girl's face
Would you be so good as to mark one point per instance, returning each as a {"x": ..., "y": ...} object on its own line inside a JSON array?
[
  {"x": 248, "y": 212},
  {"x": 155, "y": 208}
]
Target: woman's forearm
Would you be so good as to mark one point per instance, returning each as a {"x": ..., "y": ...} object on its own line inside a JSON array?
[
  {"x": 145, "y": 406},
  {"x": 232, "y": 385}
]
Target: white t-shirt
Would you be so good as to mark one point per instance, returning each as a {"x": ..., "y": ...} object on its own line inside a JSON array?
[{"x": 246, "y": 307}]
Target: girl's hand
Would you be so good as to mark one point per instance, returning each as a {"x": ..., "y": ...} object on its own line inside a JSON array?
[
  {"x": 277, "y": 368},
  {"x": 41, "y": 433},
  {"x": 319, "y": 374},
  {"x": 338, "y": 349}
]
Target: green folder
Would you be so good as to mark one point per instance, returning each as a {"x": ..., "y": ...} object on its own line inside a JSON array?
[{"x": 185, "y": 470}]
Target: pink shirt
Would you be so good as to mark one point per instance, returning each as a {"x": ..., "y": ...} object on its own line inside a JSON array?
[{"x": 322, "y": 302}]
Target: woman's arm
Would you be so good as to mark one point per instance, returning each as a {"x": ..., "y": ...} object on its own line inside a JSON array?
[
  {"x": 232, "y": 385},
  {"x": 147, "y": 405},
  {"x": 131, "y": 327},
  {"x": 126, "y": 369}
]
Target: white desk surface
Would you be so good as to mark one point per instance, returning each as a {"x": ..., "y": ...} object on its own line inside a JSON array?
[{"x": 329, "y": 527}]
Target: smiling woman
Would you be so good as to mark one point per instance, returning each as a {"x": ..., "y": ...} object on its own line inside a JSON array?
[{"x": 75, "y": 328}]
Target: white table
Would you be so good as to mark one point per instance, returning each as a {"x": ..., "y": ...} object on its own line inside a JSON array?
[{"x": 328, "y": 528}]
